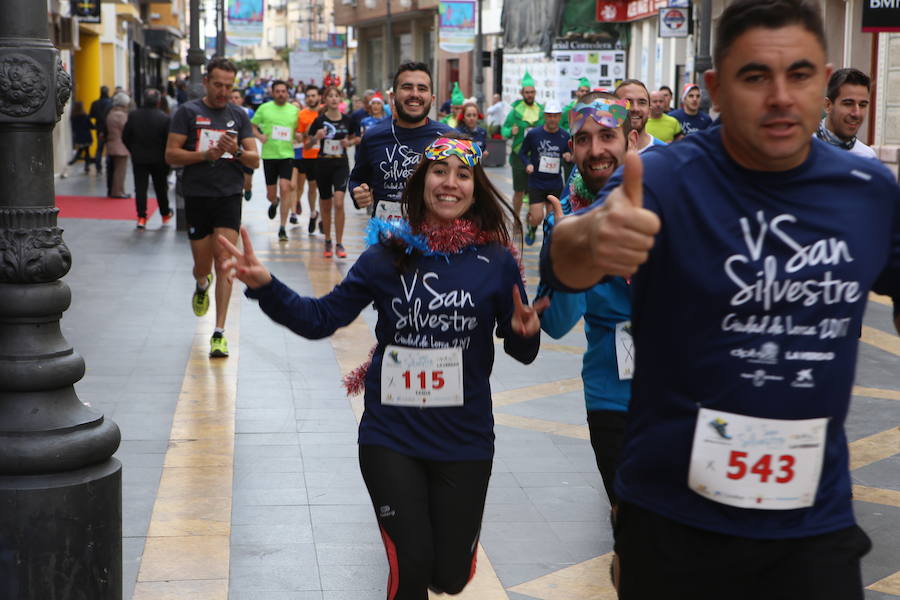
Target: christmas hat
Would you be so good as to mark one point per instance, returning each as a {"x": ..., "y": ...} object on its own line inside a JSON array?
[
  {"x": 456, "y": 97},
  {"x": 527, "y": 80}
]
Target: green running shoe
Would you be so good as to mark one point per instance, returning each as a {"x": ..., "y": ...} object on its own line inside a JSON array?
[
  {"x": 218, "y": 346},
  {"x": 530, "y": 235},
  {"x": 200, "y": 301}
]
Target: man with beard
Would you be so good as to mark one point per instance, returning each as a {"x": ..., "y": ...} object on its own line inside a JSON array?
[
  {"x": 746, "y": 244},
  {"x": 212, "y": 139},
  {"x": 601, "y": 134},
  {"x": 846, "y": 107},
  {"x": 584, "y": 86},
  {"x": 305, "y": 168},
  {"x": 690, "y": 116},
  {"x": 390, "y": 150},
  {"x": 525, "y": 115},
  {"x": 275, "y": 123},
  {"x": 638, "y": 97}
]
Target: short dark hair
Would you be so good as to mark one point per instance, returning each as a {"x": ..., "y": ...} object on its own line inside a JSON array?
[
  {"x": 151, "y": 98},
  {"x": 632, "y": 82},
  {"x": 665, "y": 88},
  {"x": 310, "y": 88},
  {"x": 278, "y": 82},
  {"x": 744, "y": 15},
  {"x": 221, "y": 63},
  {"x": 842, "y": 77},
  {"x": 413, "y": 66}
]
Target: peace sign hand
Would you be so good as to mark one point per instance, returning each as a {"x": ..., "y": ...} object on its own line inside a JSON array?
[
  {"x": 244, "y": 265},
  {"x": 526, "y": 321}
]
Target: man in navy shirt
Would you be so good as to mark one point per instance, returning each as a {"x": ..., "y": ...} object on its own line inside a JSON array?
[
  {"x": 390, "y": 150},
  {"x": 690, "y": 116},
  {"x": 752, "y": 249},
  {"x": 543, "y": 152}
]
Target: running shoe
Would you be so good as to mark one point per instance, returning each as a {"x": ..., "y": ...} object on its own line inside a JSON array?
[
  {"x": 282, "y": 235},
  {"x": 248, "y": 194},
  {"x": 531, "y": 235},
  {"x": 327, "y": 252},
  {"x": 200, "y": 301},
  {"x": 293, "y": 218},
  {"x": 218, "y": 346},
  {"x": 168, "y": 216},
  {"x": 313, "y": 217},
  {"x": 339, "y": 250},
  {"x": 273, "y": 208},
  {"x": 141, "y": 223}
]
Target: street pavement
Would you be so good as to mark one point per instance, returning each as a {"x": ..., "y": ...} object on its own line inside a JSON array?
[{"x": 240, "y": 475}]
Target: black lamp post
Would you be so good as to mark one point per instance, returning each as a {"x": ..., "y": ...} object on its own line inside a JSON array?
[{"x": 60, "y": 490}]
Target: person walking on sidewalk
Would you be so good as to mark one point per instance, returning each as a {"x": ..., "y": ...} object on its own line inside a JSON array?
[
  {"x": 212, "y": 139},
  {"x": 99, "y": 108},
  {"x": 275, "y": 123},
  {"x": 81, "y": 135},
  {"x": 115, "y": 148},
  {"x": 145, "y": 137},
  {"x": 426, "y": 438}
]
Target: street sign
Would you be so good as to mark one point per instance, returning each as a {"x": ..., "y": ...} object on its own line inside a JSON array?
[
  {"x": 881, "y": 16},
  {"x": 87, "y": 11},
  {"x": 674, "y": 22}
]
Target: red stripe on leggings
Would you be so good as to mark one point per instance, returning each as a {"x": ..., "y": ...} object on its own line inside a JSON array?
[
  {"x": 394, "y": 575},
  {"x": 474, "y": 560}
]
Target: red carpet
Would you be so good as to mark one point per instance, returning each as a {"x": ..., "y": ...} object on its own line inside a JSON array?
[{"x": 95, "y": 207}]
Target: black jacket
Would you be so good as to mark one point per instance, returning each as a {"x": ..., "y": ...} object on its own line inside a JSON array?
[{"x": 145, "y": 136}]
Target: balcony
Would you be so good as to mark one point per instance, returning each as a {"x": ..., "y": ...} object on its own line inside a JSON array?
[{"x": 361, "y": 12}]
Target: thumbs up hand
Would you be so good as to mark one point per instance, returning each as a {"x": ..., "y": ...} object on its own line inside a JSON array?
[
  {"x": 623, "y": 228},
  {"x": 613, "y": 239}
]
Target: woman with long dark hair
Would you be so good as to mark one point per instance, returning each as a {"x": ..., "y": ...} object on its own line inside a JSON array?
[{"x": 443, "y": 281}]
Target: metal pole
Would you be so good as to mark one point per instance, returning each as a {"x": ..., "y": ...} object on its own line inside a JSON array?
[
  {"x": 195, "y": 55},
  {"x": 389, "y": 44},
  {"x": 60, "y": 488},
  {"x": 478, "y": 67},
  {"x": 220, "y": 28},
  {"x": 703, "y": 61}
]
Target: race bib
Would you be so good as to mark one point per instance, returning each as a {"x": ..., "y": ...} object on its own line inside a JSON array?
[
  {"x": 549, "y": 164},
  {"x": 426, "y": 378},
  {"x": 624, "y": 350},
  {"x": 749, "y": 462},
  {"x": 332, "y": 147},
  {"x": 208, "y": 138},
  {"x": 388, "y": 210},
  {"x": 280, "y": 133}
]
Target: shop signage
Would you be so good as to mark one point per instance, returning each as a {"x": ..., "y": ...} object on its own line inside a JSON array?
[
  {"x": 623, "y": 11},
  {"x": 87, "y": 11},
  {"x": 674, "y": 22},
  {"x": 881, "y": 16}
]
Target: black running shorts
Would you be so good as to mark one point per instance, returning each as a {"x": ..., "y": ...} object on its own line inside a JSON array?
[
  {"x": 306, "y": 166},
  {"x": 331, "y": 176},
  {"x": 206, "y": 213},
  {"x": 540, "y": 196},
  {"x": 278, "y": 168}
]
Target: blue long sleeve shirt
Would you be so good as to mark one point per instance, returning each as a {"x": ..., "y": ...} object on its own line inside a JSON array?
[{"x": 458, "y": 301}]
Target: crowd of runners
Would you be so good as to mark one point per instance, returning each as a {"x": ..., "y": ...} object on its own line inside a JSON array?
[{"x": 721, "y": 268}]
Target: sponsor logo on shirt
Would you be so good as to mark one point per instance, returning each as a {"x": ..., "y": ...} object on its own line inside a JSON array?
[
  {"x": 759, "y": 377},
  {"x": 767, "y": 354},
  {"x": 803, "y": 379},
  {"x": 810, "y": 356},
  {"x": 201, "y": 120}
]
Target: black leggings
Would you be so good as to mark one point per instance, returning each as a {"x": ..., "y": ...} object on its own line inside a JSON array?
[
  {"x": 429, "y": 513},
  {"x": 607, "y": 429}
]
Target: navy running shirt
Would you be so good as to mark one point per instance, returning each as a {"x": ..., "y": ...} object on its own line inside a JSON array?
[
  {"x": 691, "y": 123},
  {"x": 388, "y": 155},
  {"x": 538, "y": 144},
  {"x": 751, "y": 303}
]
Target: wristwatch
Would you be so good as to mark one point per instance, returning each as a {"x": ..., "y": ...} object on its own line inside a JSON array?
[{"x": 239, "y": 152}]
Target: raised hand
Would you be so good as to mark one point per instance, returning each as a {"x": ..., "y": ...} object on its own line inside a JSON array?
[
  {"x": 362, "y": 195},
  {"x": 526, "y": 320},
  {"x": 244, "y": 265},
  {"x": 556, "y": 208},
  {"x": 621, "y": 230}
]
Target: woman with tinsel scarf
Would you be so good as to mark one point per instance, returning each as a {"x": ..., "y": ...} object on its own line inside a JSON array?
[{"x": 442, "y": 280}]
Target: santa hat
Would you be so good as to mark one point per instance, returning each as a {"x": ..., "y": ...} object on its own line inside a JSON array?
[
  {"x": 687, "y": 88},
  {"x": 377, "y": 97}
]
